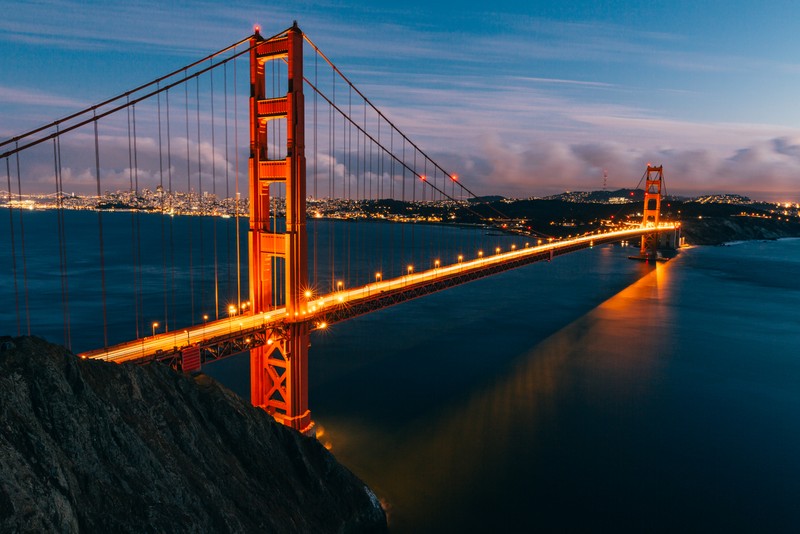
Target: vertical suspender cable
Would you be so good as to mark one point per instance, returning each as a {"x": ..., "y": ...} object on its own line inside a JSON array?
[
  {"x": 100, "y": 235},
  {"x": 348, "y": 174},
  {"x": 137, "y": 240},
  {"x": 189, "y": 193},
  {"x": 163, "y": 229},
  {"x": 229, "y": 279},
  {"x": 171, "y": 212},
  {"x": 236, "y": 179},
  {"x": 331, "y": 184},
  {"x": 193, "y": 319},
  {"x": 403, "y": 250},
  {"x": 136, "y": 317},
  {"x": 215, "y": 215},
  {"x": 24, "y": 257},
  {"x": 62, "y": 246},
  {"x": 391, "y": 194},
  {"x": 315, "y": 282},
  {"x": 13, "y": 248}
]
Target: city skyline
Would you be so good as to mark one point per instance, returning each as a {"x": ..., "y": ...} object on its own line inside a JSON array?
[{"x": 524, "y": 100}]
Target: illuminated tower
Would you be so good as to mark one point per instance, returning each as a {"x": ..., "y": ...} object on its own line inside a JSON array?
[
  {"x": 279, "y": 369},
  {"x": 652, "y": 209}
]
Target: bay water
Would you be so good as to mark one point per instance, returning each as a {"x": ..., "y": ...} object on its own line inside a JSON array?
[{"x": 591, "y": 393}]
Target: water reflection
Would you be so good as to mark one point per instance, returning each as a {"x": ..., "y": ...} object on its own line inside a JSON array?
[{"x": 451, "y": 469}]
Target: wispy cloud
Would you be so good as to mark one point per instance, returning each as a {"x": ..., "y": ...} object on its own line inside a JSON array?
[{"x": 13, "y": 95}]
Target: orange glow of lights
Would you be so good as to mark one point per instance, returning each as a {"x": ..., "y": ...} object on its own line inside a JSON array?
[
  {"x": 323, "y": 325},
  {"x": 270, "y": 342},
  {"x": 454, "y": 177},
  {"x": 422, "y": 177},
  {"x": 410, "y": 269},
  {"x": 307, "y": 293}
]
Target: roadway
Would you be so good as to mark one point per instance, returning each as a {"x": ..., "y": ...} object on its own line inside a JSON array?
[{"x": 319, "y": 307}]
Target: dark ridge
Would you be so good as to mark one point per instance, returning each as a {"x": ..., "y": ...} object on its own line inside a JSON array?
[
  {"x": 719, "y": 230},
  {"x": 99, "y": 447}
]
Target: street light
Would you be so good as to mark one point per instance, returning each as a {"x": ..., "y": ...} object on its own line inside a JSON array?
[
  {"x": 339, "y": 285},
  {"x": 410, "y": 269},
  {"x": 480, "y": 253},
  {"x": 378, "y": 277},
  {"x": 497, "y": 250},
  {"x": 205, "y": 320},
  {"x": 436, "y": 264},
  {"x": 460, "y": 258},
  {"x": 155, "y": 325}
]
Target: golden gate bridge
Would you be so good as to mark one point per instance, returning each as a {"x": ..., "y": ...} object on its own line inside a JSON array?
[{"x": 185, "y": 130}]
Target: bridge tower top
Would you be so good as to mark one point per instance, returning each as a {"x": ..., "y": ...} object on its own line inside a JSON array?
[{"x": 652, "y": 195}]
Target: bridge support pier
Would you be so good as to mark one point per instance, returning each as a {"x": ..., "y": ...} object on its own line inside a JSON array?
[{"x": 279, "y": 378}]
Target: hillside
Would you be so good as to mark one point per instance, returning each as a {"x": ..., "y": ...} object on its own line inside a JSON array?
[
  {"x": 718, "y": 230},
  {"x": 98, "y": 447}
]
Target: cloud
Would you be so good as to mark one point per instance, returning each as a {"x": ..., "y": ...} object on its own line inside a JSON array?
[
  {"x": 765, "y": 170},
  {"x": 17, "y": 96}
]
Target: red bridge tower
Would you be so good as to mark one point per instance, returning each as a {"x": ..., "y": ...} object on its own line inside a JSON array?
[
  {"x": 279, "y": 369},
  {"x": 652, "y": 210}
]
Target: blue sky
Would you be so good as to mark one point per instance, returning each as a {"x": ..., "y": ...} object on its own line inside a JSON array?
[{"x": 519, "y": 98}]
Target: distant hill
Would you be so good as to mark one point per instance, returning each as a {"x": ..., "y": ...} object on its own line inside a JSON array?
[
  {"x": 99, "y": 447},
  {"x": 616, "y": 196},
  {"x": 486, "y": 199}
]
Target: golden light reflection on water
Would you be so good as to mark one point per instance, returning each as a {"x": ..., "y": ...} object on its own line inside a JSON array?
[{"x": 426, "y": 468}]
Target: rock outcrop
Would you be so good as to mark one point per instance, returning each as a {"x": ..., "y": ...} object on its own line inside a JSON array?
[{"x": 89, "y": 446}]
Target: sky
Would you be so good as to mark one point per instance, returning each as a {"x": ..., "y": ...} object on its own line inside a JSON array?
[{"x": 518, "y": 98}]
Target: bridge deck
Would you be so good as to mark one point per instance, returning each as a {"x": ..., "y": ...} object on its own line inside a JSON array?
[{"x": 241, "y": 332}]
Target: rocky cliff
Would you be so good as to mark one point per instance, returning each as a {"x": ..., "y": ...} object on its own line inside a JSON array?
[
  {"x": 718, "y": 230},
  {"x": 88, "y": 446}
]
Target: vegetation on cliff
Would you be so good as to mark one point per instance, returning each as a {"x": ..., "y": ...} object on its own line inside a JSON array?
[{"x": 100, "y": 447}]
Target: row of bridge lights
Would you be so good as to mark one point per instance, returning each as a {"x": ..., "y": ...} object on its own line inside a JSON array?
[
  {"x": 243, "y": 307},
  {"x": 233, "y": 310},
  {"x": 436, "y": 264}
]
